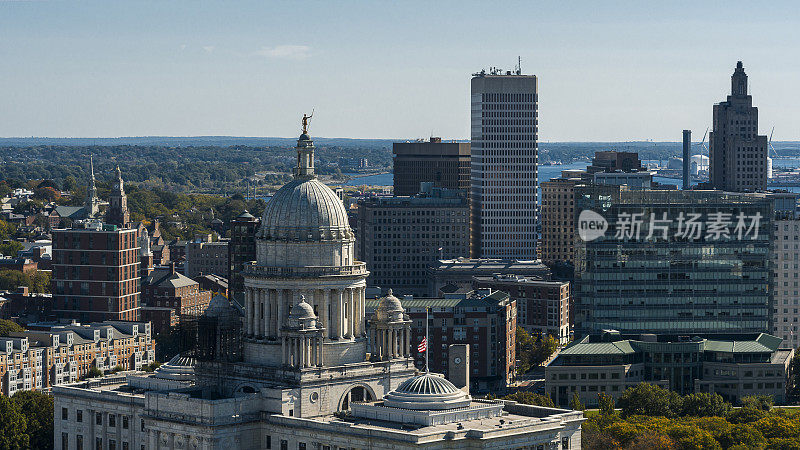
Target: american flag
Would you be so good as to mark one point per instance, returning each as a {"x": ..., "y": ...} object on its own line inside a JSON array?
[{"x": 423, "y": 346}]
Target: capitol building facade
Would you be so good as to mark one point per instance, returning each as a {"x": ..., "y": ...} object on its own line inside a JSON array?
[{"x": 297, "y": 366}]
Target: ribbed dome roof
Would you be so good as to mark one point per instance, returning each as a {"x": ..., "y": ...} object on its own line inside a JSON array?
[
  {"x": 305, "y": 210},
  {"x": 389, "y": 307},
  {"x": 427, "y": 392},
  {"x": 179, "y": 368},
  {"x": 302, "y": 310}
]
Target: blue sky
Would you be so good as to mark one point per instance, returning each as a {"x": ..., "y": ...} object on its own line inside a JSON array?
[{"x": 607, "y": 70}]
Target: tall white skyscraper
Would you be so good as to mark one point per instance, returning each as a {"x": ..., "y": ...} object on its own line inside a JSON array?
[{"x": 504, "y": 162}]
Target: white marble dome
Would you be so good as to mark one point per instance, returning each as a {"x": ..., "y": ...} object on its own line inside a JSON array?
[
  {"x": 389, "y": 308},
  {"x": 305, "y": 210},
  {"x": 427, "y": 391}
]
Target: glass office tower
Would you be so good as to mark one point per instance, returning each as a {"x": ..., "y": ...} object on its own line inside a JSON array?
[{"x": 674, "y": 262}]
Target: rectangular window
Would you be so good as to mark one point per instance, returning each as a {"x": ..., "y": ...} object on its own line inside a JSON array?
[
  {"x": 64, "y": 414},
  {"x": 284, "y": 444},
  {"x": 98, "y": 443},
  {"x": 79, "y": 417},
  {"x": 124, "y": 423},
  {"x": 64, "y": 441},
  {"x": 268, "y": 444},
  {"x": 301, "y": 446},
  {"x": 79, "y": 442},
  {"x": 112, "y": 420},
  {"x": 112, "y": 444},
  {"x": 98, "y": 419}
]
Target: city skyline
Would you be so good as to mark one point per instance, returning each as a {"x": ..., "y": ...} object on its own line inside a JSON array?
[{"x": 627, "y": 72}]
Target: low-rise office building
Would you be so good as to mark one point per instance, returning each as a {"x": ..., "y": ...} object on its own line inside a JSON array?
[
  {"x": 206, "y": 257},
  {"x": 400, "y": 237},
  {"x": 484, "y": 319},
  {"x": 542, "y": 306},
  {"x": 732, "y": 366}
]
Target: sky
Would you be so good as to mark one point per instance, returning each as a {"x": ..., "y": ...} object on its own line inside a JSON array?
[{"x": 608, "y": 71}]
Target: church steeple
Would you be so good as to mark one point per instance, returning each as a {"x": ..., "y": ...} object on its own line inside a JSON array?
[
  {"x": 739, "y": 81},
  {"x": 92, "y": 206},
  {"x": 117, "y": 213},
  {"x": 305, "y": 153}
]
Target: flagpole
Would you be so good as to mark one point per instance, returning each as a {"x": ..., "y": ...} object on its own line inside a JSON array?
[{"x": 427, "y": 342}]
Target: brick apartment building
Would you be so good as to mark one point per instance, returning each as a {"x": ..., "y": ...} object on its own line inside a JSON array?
[
  {"x": 49, "y": 355},
  {"x": 543, "y": 307},
  {"x": 484, "y": 319},
  {"x": 166, "y": 288},
  {"x": 96, "y": 273}
]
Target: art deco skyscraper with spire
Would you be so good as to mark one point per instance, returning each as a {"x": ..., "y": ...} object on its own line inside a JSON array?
[{"x": 737, "y": 154}]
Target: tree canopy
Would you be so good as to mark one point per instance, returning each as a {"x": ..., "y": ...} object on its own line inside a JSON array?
[
  {"x": 533, "y": 350},
  {"x": 658, "y": 420}
]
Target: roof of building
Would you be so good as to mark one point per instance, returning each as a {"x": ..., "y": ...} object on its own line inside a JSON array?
[
  {"x": 305, "y": 209},
  {"x": 168, "y": 278},
  {"x": 461, "y": 301},
  {"x": 72, "y": 212},
  {"x": 427, "y": 391},
  {"x": 745, "y": 343}
]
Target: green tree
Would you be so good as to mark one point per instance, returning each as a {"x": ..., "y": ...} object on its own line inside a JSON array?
[
  {"x": 38, "y": 411},
  {"x": 761, "y": 402},
  {"x": 533, "y": 351},
  {"x": 6, "y": 230},
  {"x": 649, "y": 400},
  {"x": 10, "y": 248},
  {"x": 7, "y": 326},
  {"x": 703, "y": 404},
  {"x": 530, "y": 398},
  {"x": 606, "y": 404},
  {"x": 13, "y": 426},
  {"x": 94, "y": 372},
  {"x": 575, "y": 404}
]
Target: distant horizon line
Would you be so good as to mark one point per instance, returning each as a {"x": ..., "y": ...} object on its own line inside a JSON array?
[{"x": 222, "y": 136}]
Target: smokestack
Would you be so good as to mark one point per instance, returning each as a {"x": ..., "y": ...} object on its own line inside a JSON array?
[{"x": 687, "y": 158}]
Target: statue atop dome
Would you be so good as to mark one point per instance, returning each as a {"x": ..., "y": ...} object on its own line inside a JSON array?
[{"x": 306, "y": 119}]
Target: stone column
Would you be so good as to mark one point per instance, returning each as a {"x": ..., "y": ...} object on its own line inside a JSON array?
[
  {"x": 249, "y": 312},
  {"x": 338, "y": 313},
  {"x": 265, "y": 321},
  {"x": 350, "y": 313},
  {"x": 362, "y": 312},
  {"x": 256, "y": 313},
  {"x": 276, "y": 297},
  {"x": 323, "y": 310},
  {"x": 279, "y": 319},
  {"x": 321, "y": 358}
]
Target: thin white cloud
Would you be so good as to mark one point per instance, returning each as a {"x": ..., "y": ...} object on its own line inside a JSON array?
[
  {"x": 208, "y": 48},
  {"x": 182, "y": 47},
  {"x": 285, "y": 52}
]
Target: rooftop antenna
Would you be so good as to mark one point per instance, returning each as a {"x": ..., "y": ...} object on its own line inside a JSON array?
[{"x": 519, "y": 65}]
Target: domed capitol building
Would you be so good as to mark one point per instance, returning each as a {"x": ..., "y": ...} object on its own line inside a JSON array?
[{"x": 297, "y": 366}]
